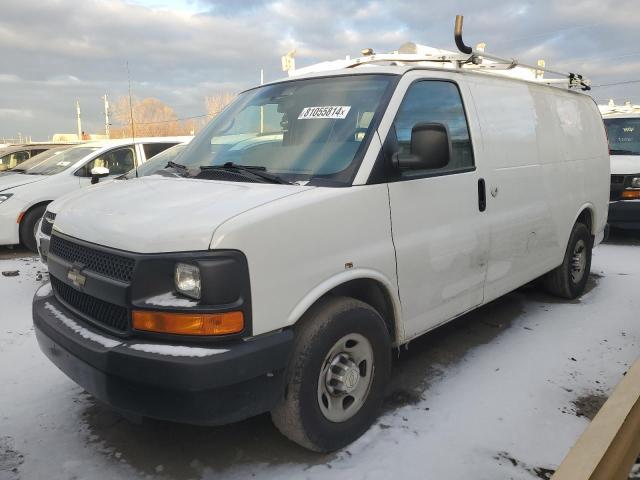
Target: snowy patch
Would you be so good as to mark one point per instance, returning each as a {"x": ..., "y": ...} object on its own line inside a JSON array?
[
  {"x": 170, "y": 299},
  {"x": 44, "y": 290},
  {"x": 83, "y": 332},
  {"x": 177, "y": 351}
]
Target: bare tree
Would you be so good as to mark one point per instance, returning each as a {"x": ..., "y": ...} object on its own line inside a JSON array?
[
  {"x": 215, "y": 103},
  {"x": 151, "y": 118},
  {"x": 154, "y": 118}
]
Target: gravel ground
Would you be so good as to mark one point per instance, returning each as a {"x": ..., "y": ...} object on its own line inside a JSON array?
[{"x": 502, "y": 392}]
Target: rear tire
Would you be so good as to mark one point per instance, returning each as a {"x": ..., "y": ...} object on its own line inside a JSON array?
[
  {"x": 570, "y": 279},
  {"x": 28, "y": 225},
  {"x": 337, "y": 375}
]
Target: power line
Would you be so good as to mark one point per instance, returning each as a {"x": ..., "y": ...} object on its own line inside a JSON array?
[
  {"x": 615, "y": 83},
  {"x": 551, "y": 33},
  {"x": 596, "y": 59},
  {"x": 177, "y": 119}
]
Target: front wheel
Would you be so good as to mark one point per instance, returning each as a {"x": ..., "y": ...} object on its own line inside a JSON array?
[
  {"x": 337, "y": 376},
  {"x": 28, "y": 228},
  {"x": 570, "y": 279}
]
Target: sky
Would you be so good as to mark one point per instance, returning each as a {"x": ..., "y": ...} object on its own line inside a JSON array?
[{"x": 54, "y": 52}]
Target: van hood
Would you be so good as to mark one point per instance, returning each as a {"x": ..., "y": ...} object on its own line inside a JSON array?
[
  {"x": 625, "y": 164},
  {"x": 9, "y": 181},
  {"x": 156, "y": 214}
]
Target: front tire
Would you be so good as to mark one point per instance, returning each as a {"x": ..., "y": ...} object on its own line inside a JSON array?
[
  {"x": 28, "y": 228},
  {"x": 570, "y": 279},
  {"x": 337, "y": 375}
]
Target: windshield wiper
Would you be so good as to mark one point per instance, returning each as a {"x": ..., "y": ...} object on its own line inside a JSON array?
[
  {"x": 255, "y": 170},
  {"x": 615, "y": 151},
  {"x": 183, "y": 169}
]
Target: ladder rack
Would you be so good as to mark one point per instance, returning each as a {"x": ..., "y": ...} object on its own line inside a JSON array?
[{"x": 468, "y": 58}]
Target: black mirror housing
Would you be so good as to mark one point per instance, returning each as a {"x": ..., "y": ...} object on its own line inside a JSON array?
[
  {"x": 430, "y": 148},
  {"x": 97, "y": 173}
]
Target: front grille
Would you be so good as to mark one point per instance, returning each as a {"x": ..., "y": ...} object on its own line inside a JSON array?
[
  {"x": 47, "y": 222},
  {"x": 104, "y": 263},
  {"x": 101, "y": 312}
]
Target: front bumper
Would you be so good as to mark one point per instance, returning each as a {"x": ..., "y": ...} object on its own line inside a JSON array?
[
  {"x": 9, "y": 226},
  {"x": 209, "y": 385},
  {"x": 624, "y": 214}
]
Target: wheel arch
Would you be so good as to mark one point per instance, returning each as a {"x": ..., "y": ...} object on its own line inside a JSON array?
[
  {"x": 368, "y": 286},
  {"x": 586, "y": 216}
]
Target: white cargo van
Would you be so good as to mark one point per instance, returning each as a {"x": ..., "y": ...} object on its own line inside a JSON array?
[
  {"x": 316, "y": 223},
  {"x": 623, "y": 130}
]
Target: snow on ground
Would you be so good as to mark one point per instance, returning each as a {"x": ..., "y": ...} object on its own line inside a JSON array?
[{"x": 502, "y": 392}]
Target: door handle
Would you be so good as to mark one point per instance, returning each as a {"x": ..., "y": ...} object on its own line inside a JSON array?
[{"x": 482, "y": 195}]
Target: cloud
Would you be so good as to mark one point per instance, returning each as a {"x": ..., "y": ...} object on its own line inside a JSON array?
[
  {"x": 180, "y": 52},
  {"x": 13, "y": 113}
]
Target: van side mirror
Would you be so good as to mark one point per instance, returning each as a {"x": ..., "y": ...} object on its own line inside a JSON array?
[
  {"x": 97, "y": 173},
  {"x": 430, "y": 148}
]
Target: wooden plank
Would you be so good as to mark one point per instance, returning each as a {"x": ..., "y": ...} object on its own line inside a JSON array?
[{"x": 611, "y": 443}]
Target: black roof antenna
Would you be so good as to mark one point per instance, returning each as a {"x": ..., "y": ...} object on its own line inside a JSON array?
[{"x": 457, "y": 34}]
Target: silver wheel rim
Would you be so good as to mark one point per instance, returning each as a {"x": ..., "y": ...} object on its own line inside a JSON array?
[
  {"x": 578, "y": 261},
  {"x": 345, "y": 378}
]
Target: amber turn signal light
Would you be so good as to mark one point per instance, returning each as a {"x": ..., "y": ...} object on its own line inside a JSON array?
[
  {"x": 631, "y": 194},
  {"x": 188, "y": 323}
]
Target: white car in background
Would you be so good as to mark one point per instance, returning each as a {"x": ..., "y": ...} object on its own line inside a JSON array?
[
  {"x": 24, "y": 195},
  {"x": 150, "y": 167}
]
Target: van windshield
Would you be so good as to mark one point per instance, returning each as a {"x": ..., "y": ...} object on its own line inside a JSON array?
[
  {"x": 299, "y": 130},
  {"x": 624, "y": 135},
  {"x": 61, "y": 161}
]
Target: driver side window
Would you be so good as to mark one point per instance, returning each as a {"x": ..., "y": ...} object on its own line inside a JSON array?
[
  {"x": 433, "y": 101},
  {"x": 119, "y": 161}
]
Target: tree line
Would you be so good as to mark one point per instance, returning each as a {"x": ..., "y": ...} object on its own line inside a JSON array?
[{"x": 150, "y": 117}]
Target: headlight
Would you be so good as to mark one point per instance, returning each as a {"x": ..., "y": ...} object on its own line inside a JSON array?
[
  {"x": 635, "y": 182},
  {"x": 187, "y": 280},
  {"x": 5, "y": 196}
]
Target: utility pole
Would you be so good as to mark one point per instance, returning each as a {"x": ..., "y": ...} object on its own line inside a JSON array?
[
  {"x": 261, "y": 107},
  {"x": 106, "y": 115},
  {"x": 79, "y": 121}
]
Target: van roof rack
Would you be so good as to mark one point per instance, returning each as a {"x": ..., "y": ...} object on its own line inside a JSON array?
[
  {"x": 611, "y": 108},
  {"x": 469, "y": 59}
]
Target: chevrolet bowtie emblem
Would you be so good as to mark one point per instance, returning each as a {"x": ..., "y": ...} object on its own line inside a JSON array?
[{"x": 76, "y": 277}]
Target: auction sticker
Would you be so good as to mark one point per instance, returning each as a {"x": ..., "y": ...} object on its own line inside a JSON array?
[{"x": 335, "y": 111}]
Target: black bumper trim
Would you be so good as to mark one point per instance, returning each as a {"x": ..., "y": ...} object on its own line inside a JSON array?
[
  {"x": 624, "y": 214},
  {"x": 245, "y": 380}
]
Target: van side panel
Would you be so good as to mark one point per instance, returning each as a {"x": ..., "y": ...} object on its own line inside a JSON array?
[
  {"x": 585, "y": 158},
  {"x": 518, "y": 207},
  {"x": 546, "y": 157}
]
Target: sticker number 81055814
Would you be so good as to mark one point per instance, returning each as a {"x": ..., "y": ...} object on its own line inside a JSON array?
[{"x": 336, "y": 111}]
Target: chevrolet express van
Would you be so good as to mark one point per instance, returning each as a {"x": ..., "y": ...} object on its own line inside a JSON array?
[
  {"x": 315, "y": 224},
  {"x": 624, "y": 146}
]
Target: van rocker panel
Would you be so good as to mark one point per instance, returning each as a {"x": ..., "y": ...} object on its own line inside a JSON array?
[{"x": 241, "y": 379}]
